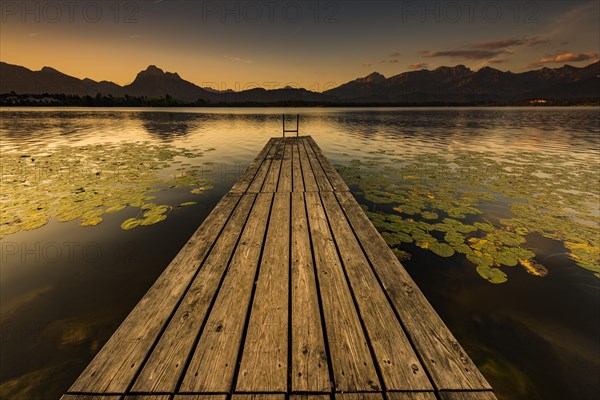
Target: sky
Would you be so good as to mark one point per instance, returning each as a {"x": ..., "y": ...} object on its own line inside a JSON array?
[{"x": 316, "y": 44}]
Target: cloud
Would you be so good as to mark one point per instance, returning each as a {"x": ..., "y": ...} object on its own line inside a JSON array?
[
  {"x": 568, "y": 57},
  {"x": 34, "y": 34},
  {"x": 238, "y": 59},
  {"x": 394, "y": 55},
  {"x": 463, "y": 54},
  {"x": 498, "y": 61},
  {"x": 420, "y": 65},
  {"x": 367, "y": 65},
  {"x": 499, "y": 44}
]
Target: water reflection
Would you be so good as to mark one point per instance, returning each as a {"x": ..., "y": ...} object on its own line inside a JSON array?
[{"x": 533, "y": 338}]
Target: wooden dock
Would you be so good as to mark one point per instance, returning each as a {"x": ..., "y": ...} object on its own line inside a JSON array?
[{"x": 285, "y": 291}]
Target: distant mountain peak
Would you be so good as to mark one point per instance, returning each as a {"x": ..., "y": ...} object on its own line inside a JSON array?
[
  {"x": 374, "y": 77},
  {"x": 459, "y": 67},
  {"x": 153, "y": 69},
  {"x": 51, "y": 70}
]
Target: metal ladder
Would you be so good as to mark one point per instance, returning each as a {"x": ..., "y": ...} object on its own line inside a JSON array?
[{"x": 290, "y": 130}]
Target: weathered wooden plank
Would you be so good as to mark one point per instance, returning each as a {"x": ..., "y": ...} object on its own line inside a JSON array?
[
  {"x": 286, "y": 176},
  {"x": 399, "y": 365},
  {"x": 359, "y": 396},
  {"x": 467, "y": 395},
  {"x": 449, "y": 366},
  {"x": 265, "y": 353},
  {"x": 212, "y": 365},
  {"x": 261, "y": 174},
  {"x": 320, "y": 176},
  {"x": 200, "y": 397},
  {"x": 411, "y": 396},
  {"x": 165, "y": 365},
  {"x": 310, "y": 371},
  {"x": 247, "y": 177},
  {"x": 310, "y": 397},
  {"x": 334, "y": 177},
  {"x": 353, "y": 367},
  {"x": 272, "y": 177},
  {"x": 90, "y": 397},
  {"x": 310, "y": 183},
  {"x": 147, "y": 397},
  {"x": 114, "y": 367},
  {"x": 297, "y": 179},
  {"x": 258, "y": 396}
]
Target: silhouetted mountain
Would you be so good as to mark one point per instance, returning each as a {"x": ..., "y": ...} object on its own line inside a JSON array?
[
  {"x": 155, "y": 83},
  {"x": 14, "y": 78},
  {"x": 448, "y": 85},
  {"x": 460, "y": 84}
]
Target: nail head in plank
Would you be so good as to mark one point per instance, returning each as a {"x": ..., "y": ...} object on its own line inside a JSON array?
[
  {"x": 398, "y": 363},
  {"x": 446, "y": 361},
  {"x": 310, "y": 370},
  {"x": 264, "y": 356},
  {"x": 163, "y": 369},
  {"x": 213, "y": 363},
  {"x": 350, "y": 356}
]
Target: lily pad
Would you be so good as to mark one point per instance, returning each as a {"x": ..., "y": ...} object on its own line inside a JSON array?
[
  {"x": 130, "y": 223},
  {"x": 492, "y": 275}
]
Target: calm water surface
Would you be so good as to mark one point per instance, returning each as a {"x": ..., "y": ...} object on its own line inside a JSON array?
[{"x": 65, "y": 288}]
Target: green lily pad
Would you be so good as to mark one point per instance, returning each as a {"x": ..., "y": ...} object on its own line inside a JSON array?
[
  {"x": 130, "y": 223},
  {"x": 492, "y": 275},
  {"x": 441, "y": 249},
  {"x": 93, "y": 221}
]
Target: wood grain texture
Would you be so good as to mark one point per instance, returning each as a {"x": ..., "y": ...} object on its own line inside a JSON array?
[
  {"x": 272, "y": 178},
  {"x": 285, "y": 291},
  {"x": 258, "y": 396},
  {"x": 212, "y": 366},
  {"x": 90, "y": 397},
  {"x": 165, "y": 365},
  {"x": 446, "y": 361},
  {"x": 467, "y": 396},
  {"x": 337, "y": 182},
  {"x": 263, "y": 169},
  {"x": 114, "y": 367},
  {"x": 398, "y": 363},
  {"x": 411, "y": 396},
  {"x": 353, "y": 367},
  {"x": 247, "y": 177},
  {"x": 200, "y": 397},
  {"x": 264, "y": 359},
  {"x": 286, "y": 177},
  {"x": 310, "y": 183},
  {"x": 309, "y": 361},
  {"x": 320, "y": 175},
  {"x": 297, "y": 179},
  {"x": 359, "y": 396},
  {"x": 310, "y": 397}
]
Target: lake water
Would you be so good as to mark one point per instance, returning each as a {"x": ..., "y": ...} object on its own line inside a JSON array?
[{"x": 494, "y": 211}]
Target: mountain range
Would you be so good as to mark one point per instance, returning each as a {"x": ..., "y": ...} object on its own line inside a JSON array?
[{"x": 444, "y": 85}]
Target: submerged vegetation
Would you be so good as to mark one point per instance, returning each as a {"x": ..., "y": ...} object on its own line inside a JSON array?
[
  {"x": 482, "y": 206},
  {"x": 86, "y": 182}
]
